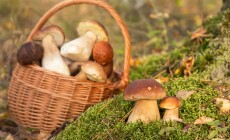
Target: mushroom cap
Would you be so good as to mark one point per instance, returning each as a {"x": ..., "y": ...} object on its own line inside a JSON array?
[
  {"x": 55, "y": 31},
  {"x": 144, "y": 89},
  {"x": 95, "y": 27},
  {"x": 94, "y": 71},
  {"x": 170, "y": 102},
  {"x": 108, "y": 69},
  {"x": 29, "y": 52},
  {"x": 102, "y": 53}
]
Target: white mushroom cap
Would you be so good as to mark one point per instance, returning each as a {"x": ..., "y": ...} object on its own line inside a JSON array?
[
  {"x": 55, "y": 31},
  {"x": 94, "y": 27},
  {"x": 94, "y": 72}
]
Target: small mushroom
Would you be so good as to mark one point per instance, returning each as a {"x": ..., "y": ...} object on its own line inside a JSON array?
[
  {"x": 79, "y": 49},
  {"x": 95, "y": 27},
  {"x": 29, "y": 52},
  {"x": 52, "y": 60},
  {"x": 145, "y": 92},
  {"x": 93, "y": 71},
  {"x": 171, "y": 104},
  {"x": 103, "y": 53}
]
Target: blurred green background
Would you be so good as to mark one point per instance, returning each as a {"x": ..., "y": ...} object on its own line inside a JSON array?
[{"x": 155, "y": 26}]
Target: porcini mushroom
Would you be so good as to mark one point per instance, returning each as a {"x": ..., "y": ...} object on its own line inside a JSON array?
[
  {"x": 52, "y": 60},
  {"x": 29, "y": 52},
  {"x": 95, "y": 27},
  {"x": 79, "y": 49},
  {"x": 54, "y": 30},
  {"x": 93, "y": 71},
  {"x": 102, "y": 53},
  {"x": 171, "y": 104},
  {"x": 145, "y": 92}
]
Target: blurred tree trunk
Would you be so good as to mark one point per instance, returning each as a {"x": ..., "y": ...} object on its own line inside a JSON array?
[{"x": 226, "y": 4}]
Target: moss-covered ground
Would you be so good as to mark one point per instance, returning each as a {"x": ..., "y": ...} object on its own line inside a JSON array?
[{"x": 107, "y": 120}]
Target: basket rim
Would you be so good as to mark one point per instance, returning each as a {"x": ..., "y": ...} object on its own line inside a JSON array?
[{"x": 67, "y": 77}]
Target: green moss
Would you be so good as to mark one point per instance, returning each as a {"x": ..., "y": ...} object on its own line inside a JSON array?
[{"x": 107, "y": 120}]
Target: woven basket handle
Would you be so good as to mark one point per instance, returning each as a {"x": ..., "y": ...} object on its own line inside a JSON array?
[{"x": 112, "y": 12}]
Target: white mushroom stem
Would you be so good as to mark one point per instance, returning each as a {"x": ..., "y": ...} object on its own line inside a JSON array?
[
  {"x": 52, "y": 59},
  {"x": 171, "y": 114},
  {"x": 79, "y": 49},
  {"x": 145, "y": 111}
]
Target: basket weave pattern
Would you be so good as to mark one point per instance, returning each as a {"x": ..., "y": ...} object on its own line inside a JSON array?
[{"x": 43, "y": 99}]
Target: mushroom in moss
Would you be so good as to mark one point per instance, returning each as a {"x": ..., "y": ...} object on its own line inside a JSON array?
[
  {"x": 29, "y": 52},
  {"x": 52, "y": 37},
  {"x": 80, "y": 49},
  {"x": 93, "y": 72},
  {"x": 145, "y": 92},
  {"x": 171, "y": 104}
]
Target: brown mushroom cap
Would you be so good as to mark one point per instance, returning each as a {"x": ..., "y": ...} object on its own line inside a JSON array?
[
  {"x": 29, "y": 52},
  {"x": 94, "y": 27},
  {"x": 102, "y": 53},
  {"x": 108, "y": 69},
  {"x": 170, "y": 102},
  {"x": 55, "y": 31},
  {"x": 144, "y": 89}
]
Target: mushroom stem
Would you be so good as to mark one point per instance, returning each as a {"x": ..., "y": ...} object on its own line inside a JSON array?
[
  {"x": 52, "y": 59},
  {"x": 145, "y": 111},
  {"x": 171, "y": 114}
]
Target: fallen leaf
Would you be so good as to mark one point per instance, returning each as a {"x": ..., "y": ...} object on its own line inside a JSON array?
[
  {"x": 183, "y": 94},
  {"x": 3, "y": 115},
  {"x": 203, "y": 120},
  {"x": 224, "y": 104},
  {"x": 162, "y": 80},
  {"x": 197, "y": 34},
  {"x": 178, "y": 70},
  {"x": 212, "y": 134},
  {"x": 187, "y": 64},
  {"x": 135, "y": 62}
]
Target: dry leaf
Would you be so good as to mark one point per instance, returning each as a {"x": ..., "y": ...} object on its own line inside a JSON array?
[
  {"x": 135, "y": 62},
  {"x": 199, "y": 34},
  {"x": 178, "y": 70},
  {"x": 162, "y": 79},
  {"x": 224, "y": 104},
  {"x": 183, "y": 94},
  {"x": 188, "y": 63},
  {"x": 203, "y": 120}
]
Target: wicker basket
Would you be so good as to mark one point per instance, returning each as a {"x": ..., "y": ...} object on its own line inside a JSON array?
[{"x": 42, "y": 99}]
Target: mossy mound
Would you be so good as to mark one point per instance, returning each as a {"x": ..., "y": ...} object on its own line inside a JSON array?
[{"x": 107, "y": 120}]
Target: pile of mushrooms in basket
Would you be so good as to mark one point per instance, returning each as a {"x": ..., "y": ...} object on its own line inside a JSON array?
[{"x": 88, "y": 57}]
